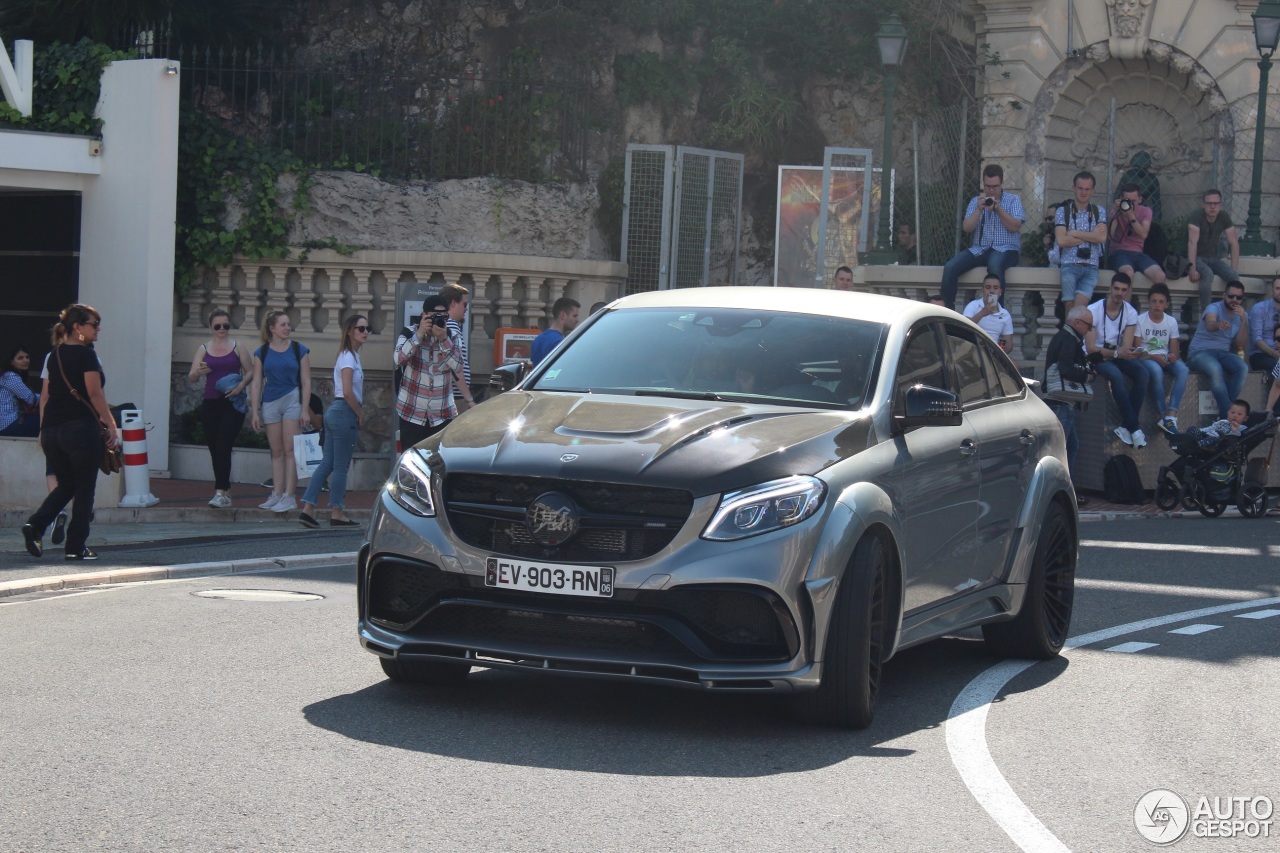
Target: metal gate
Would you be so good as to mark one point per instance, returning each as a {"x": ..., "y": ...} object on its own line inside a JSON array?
[{"x": 681, "y": 217}]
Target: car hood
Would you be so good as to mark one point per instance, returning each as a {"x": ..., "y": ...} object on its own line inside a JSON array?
[{"x": 700, "y": 446}]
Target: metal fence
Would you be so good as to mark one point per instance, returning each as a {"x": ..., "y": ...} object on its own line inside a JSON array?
[{"x": 371, "y": 113}]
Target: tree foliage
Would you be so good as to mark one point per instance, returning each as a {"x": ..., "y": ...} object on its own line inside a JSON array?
[{"x": 190, "y": 21}]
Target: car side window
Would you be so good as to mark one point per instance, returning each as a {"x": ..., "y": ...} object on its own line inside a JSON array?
[
  {"x": 1002, "y": 376},
  {"x": 966, "y": 366},
  {"x": 921, "y": 364}
]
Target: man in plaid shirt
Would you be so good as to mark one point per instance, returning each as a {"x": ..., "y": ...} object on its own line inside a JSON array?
[
  {"x": 994, "y": 218},
  {"x": 428, "y": 356}
]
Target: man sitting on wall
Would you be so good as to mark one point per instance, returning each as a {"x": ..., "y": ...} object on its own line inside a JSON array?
[
  {"x": 988, "y": 313},
  {"x": 994, "y": 218},
  {"x": 1130, "y": 226},
  {"x": 1223, "y": 329},
  {"x": 1111, "y": 349}
]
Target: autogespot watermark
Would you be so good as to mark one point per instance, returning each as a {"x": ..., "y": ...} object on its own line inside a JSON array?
[{"x": 1164, "y": 817}]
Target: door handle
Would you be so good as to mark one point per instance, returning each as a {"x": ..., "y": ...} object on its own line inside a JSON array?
[
  {"x": 968, "y": 447},
  {"x": 1027, "y": 439}
]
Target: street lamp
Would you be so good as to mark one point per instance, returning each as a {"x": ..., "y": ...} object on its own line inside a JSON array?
[
  {"x": 1266, "y": 32},
  {"x": 892, "y": 38}
]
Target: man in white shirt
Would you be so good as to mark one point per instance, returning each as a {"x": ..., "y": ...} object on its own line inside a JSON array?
[
  {"x": 1110, "y": 347},
  {"x": 1159, "y": 349},
  {"x": 988, "y": 313}
]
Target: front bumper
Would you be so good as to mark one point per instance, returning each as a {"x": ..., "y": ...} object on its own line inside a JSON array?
[{"x": 707, "y": 615}]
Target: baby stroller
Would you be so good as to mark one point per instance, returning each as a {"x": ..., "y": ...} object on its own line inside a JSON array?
[{"x": 1209, "y": 473}]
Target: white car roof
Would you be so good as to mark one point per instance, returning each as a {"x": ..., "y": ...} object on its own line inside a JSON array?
[{"x": 801, "y": 300}]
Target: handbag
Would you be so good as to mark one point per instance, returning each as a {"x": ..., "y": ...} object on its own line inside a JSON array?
[
  {"x": 112, "y": 460},
  {"x": 307, "y": 454},
  {"x": 1064, "y": 390}
]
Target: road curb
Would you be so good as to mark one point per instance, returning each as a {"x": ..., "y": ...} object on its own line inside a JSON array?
[{"x": 186, "y": 570}]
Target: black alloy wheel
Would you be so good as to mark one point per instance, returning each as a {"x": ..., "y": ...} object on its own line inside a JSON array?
[
  {"x": 1168, "y": 492},
  {"x": 856, "y": 643},
  {"x": 1207, "y": 508},
  {"x": 424, "y": 671},
  {"x": 1040, "y": 628}
]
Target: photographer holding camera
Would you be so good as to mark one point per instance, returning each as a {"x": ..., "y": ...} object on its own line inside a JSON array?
[
  {"x": 1130, "y": 226},
  {"x": 426, "y": 356},
  {"x": 1081, "y": 231},
  {"x": 994, "y": 218}
]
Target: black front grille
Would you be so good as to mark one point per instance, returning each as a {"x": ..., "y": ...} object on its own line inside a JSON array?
[
  {"x": 553, "y": 631},
  {"x": 401, "y": 592},
  {"x": 619, "y": 522},
  {"x": 724, "y": 623}
]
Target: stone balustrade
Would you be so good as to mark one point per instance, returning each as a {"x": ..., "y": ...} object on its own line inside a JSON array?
[{"x": 319, "y": 288}]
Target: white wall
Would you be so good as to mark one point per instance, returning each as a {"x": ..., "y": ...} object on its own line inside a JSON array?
[{"x": 127, "y": 239}]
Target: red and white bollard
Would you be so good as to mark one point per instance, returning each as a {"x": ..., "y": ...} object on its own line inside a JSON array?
[{"x": 137, "y": 476}]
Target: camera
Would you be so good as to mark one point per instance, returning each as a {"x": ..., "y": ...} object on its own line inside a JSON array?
[
  {"x": 988, "y": 202},
  {"x": 1083, "y": 252},
  {"x": 1126, "y": 205},
  {"x": 438, "y": 319}
]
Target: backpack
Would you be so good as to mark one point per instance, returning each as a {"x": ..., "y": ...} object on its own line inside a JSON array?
[
  {"x": 1121, "y": 483},
  {"x": 1156, "y": 246}
]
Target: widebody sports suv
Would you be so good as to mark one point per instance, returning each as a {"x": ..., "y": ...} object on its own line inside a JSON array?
[{"x": 735, "y": 489}]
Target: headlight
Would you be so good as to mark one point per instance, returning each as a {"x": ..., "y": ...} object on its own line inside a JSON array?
[
  {"x": 410, "y": 485},
  {"x": 766, "y": 507}
]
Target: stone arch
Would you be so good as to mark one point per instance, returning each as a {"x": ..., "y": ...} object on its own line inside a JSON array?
[{"x": 1166, "y": 104}]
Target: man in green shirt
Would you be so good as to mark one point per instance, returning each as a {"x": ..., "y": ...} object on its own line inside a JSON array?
[{"x": 1205, "y": 230}]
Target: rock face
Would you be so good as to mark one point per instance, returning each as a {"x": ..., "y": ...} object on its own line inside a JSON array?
[{"x": 474, "y": 215}]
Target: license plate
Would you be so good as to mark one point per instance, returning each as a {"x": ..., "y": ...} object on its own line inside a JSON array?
[{"x": 591, "y": 581}]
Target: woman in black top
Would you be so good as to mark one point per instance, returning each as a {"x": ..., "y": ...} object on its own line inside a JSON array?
[{"x": 69, "y": 432}]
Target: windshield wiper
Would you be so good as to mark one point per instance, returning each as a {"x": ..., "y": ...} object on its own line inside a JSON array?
[{"x": 683, "y": 395}]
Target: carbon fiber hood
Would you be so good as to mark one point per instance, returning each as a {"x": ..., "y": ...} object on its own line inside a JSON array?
[{"x": 695, "y": 445}]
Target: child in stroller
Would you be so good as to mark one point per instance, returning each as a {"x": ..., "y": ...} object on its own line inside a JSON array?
[{"x": 1209, "y": 471}]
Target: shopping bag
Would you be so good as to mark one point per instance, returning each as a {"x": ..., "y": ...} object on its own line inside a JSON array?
[{"x": 307, "y": 453}]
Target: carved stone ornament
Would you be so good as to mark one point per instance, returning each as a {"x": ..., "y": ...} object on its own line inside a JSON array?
[{"x": 1128, "y": 27}]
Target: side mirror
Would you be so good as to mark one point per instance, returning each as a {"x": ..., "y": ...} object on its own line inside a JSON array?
[
  {"x": 507, "y": 376},
  {"x": 925, "y": 405}
]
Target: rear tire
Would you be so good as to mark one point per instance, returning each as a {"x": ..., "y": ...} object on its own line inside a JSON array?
[
  {"x": 1041, "y": 626},
  {"x": 856, "y": 644},
  {"x": 424, "y": 671},
  {"x": 1252, "y": 501}
]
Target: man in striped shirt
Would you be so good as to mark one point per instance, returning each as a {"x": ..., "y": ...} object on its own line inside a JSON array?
[
  {"x": 458, "y": 298},
  {"x": 428, "y": 357}
]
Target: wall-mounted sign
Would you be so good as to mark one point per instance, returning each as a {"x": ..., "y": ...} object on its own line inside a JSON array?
[{"x": 513, "y": 345}]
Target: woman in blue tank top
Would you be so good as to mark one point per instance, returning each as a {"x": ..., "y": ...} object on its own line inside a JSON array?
[{"x": 281, "y": 381}]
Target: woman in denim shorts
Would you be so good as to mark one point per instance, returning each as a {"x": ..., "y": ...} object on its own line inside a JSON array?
[{"x": 281, "y": 376}]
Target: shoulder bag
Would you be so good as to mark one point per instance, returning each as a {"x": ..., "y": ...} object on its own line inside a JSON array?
[
  {"x": 112, "y": 460},
  {"x": 1064, "y": 390}
]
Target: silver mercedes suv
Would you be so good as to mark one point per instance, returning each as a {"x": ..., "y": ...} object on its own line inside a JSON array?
[{"x": 731, "y": 489}]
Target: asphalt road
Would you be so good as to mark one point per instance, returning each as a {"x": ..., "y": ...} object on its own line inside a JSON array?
[{"x": 144, "y": 717}]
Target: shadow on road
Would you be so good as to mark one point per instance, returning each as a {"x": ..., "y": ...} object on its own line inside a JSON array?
[{"x": 607, "y": 727}]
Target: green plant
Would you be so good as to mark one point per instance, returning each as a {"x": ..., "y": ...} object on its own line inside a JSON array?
[
  {"x": 668, "y": 83},
  {"x": 67, "y": 81},
  {"x": 611, "y": 185}
]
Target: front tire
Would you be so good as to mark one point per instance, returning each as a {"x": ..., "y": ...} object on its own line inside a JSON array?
[
  {"x": 424, "y": 671},
  {"x": 856, "y": 643},
  {"x": 1040, "y": 628},
  {"x": 1167, "y": 490}
]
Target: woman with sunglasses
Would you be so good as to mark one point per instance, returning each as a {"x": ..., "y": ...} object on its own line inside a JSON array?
[
  {"x": 70, "y": 434},
  {"x": 221, "y": 419},
  {"x": 342, "y": 422}
]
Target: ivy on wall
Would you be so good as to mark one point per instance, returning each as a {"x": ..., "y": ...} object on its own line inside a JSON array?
[{"x": 67, "y": 80}]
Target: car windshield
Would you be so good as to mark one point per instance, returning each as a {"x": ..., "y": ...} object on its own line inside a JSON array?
[{"x": 722, "y": 353}]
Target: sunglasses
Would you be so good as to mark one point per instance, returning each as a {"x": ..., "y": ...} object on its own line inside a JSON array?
[
  {"x": 97, "y": 324},
  {"x": 361, "y": 328},
  {"x": 222, "y": 327},
  {"x": 1234, "y": 296}
]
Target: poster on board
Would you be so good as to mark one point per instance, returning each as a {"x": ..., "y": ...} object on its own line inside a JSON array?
[{"x": 797, "y": 226}]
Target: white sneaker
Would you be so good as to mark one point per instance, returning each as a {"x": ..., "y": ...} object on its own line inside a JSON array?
[
  {"x": 286, "y": 503},
  {"x": 1124, "y": 435},
  {"x": 1139, "y": 438},
  {"x": 271, "y": 502},
  {"x": 219, "y": 501}
]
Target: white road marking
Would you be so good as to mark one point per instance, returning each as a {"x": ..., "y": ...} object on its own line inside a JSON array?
[
  {"x": 967, "y": 735},
  {"x": 1170, "y": 589},
  {"x": 1192, "y": 630},
  {"x": 1127, "y": 648},
  {"x": 1259, "y": 614},
  {"x": 1218, "y": 550}
]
